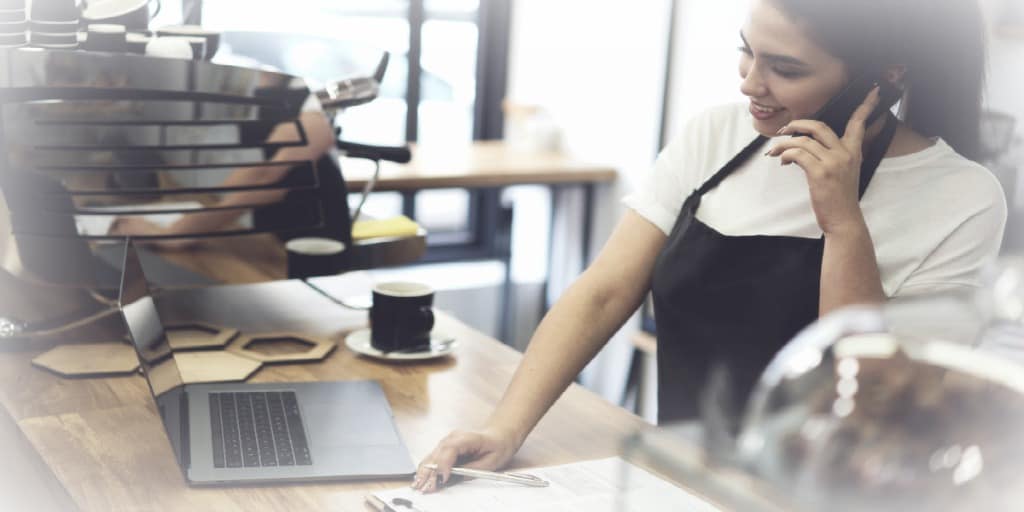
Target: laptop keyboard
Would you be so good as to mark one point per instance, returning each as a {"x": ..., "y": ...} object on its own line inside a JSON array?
[{"x": 257, "y": 430}]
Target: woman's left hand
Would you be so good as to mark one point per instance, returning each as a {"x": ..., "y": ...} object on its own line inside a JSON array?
[{"x": 832, "y": 165}]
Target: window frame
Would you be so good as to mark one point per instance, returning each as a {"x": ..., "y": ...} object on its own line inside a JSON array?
[{"x": 493, "y": 21}]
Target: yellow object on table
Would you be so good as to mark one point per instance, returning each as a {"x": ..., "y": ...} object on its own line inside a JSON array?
[{"x": 378, "y": 228}]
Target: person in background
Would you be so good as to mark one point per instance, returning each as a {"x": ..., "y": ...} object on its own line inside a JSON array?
[
  {"x": 745, "y": 243},
  {"x": 320, "y": 142}
]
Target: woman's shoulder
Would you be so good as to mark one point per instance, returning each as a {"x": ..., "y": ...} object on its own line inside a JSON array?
[
  {"x": 939, "y": 175},
  {"x": 714, "y": 131},
  {"x": 949, "y": 169},
  {"x": 722, "y": 119}
]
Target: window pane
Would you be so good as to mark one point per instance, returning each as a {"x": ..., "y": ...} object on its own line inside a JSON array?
[
  {"x": 170, "y": 14},
  {"x": 380, "y": 122},
  {"x": 343, "y": 40},
  {"x": 448, "y": 82},
  {"x": 451, "y": 8},
  {"x": 377, "y": 23},
  {"x": 443, "y": 210},
  {"x": 379, "y": 205}
]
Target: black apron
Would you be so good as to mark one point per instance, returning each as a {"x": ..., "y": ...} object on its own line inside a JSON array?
[{"x": 732, "y": 302}]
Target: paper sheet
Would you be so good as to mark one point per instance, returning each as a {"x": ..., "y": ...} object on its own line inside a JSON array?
[{"x": 605, "y": 485}]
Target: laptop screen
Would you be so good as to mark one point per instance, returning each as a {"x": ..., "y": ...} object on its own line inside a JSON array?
[
  {"x": 150, "y": 341},
  {"x": 144, "y": 326}
]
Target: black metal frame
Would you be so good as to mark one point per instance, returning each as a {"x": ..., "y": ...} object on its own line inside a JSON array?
[
  {"x": 412, "y": 93},
  {"x": 494, "y": 23}
]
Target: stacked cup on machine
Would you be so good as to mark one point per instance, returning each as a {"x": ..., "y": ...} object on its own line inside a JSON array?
[
  {"x": 53, "y": 24},
  {"x": 13, "y": 24}
]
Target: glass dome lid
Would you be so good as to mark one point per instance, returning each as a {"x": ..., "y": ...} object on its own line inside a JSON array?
[{"x": 851, "y": 416}]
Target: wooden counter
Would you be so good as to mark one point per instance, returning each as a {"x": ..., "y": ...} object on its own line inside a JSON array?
[{"x": 101, "y": 442}]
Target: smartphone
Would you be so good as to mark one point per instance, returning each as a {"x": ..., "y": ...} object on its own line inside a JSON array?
[{"x": 837, "y": 112}]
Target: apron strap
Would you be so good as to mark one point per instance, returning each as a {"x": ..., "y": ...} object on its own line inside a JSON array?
[
  {"x": 876, "y": 152},
  {"x": 731, "y": 166},
  {"x": 872, "y": 159}
]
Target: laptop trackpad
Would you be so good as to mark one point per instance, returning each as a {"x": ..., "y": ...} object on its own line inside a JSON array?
[{"x": 348, "y": 413}]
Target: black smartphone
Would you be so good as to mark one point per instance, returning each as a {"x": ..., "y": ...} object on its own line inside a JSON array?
[{"x": 837, "y": 112}]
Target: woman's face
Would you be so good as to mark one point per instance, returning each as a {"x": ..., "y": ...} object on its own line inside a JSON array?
[{"x": 785, "y": 74}]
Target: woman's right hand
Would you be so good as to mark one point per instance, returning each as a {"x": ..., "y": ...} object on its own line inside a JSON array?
[{"x": 488, "y": 449}]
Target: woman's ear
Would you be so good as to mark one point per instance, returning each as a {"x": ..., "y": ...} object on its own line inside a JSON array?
[{"x": 895, "y": 75}]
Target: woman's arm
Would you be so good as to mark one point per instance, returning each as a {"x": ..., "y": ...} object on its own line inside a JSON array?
[
  {"x": 579, "y": 324},
  {"x": 849, "y": 270}
]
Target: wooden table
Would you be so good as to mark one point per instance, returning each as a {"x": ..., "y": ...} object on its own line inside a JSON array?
[
  {"x": 98, "y": 444},
  {"x": 482, "y": 164}
]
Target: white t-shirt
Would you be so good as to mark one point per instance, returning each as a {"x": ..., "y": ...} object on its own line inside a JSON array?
[{"x": 935, "y": 217}]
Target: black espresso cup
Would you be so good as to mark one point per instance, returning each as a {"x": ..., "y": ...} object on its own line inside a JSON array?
[
  {"x": 401, "y": 316},
  {"x": 313, "y": 256},
  {"x": 106, "y": 38}
]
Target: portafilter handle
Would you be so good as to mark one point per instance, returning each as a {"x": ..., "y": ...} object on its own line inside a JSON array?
[{"x": 353, "y": 91}]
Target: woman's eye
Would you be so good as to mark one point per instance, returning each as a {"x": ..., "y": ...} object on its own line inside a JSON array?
[
  {"x": 788, "y": 73},
  {"x": 745, "y": 50}
]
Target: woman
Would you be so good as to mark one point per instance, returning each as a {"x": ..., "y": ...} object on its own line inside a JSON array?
[{"x": 743, "y": 249}]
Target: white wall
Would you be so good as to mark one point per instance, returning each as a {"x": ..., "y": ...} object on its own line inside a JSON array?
[{"x": 598, "y": 67}]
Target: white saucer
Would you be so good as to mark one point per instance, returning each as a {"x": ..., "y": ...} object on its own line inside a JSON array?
[{"x": 358, "y": 341}]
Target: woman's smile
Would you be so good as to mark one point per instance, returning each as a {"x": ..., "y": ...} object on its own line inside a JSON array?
[{"x": 763, "y": 112}]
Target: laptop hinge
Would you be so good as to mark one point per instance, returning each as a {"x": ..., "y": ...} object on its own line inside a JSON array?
[{"x": 186, "y": 445}]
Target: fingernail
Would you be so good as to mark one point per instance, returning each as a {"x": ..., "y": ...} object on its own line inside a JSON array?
[
  {"x": 781, "y": 130},
  {"x": 766, "y": 153}
]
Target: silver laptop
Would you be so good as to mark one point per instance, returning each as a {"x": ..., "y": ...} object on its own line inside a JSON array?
[{"x": 248, "y": 433}]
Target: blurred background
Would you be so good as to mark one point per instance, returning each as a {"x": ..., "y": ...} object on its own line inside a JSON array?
[{"x": 602, "y": 81}]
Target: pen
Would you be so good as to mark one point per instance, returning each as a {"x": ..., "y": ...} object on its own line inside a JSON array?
[
  {"x": 515, "y": 478},
  {"x": 378, "y": 504}
]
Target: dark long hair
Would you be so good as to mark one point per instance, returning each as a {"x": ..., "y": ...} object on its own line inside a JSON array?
[{"x": 941, "y": 43}]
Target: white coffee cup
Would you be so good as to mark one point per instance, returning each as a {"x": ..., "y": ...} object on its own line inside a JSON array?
[{"x": 169, "y": 47}]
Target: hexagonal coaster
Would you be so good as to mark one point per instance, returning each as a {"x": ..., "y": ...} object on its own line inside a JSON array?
[
  {"x": 282, "y": 347},
  {"x": 199, "y": 335},
  {"x": 214, "y": 366},
  {"x": 90, "y": 359}
]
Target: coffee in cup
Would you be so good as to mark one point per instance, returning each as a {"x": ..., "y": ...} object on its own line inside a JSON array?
[{"x": 401, "y": 317}]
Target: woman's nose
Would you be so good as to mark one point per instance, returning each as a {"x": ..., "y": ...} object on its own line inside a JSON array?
[{"x": 752, "y": 85}]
